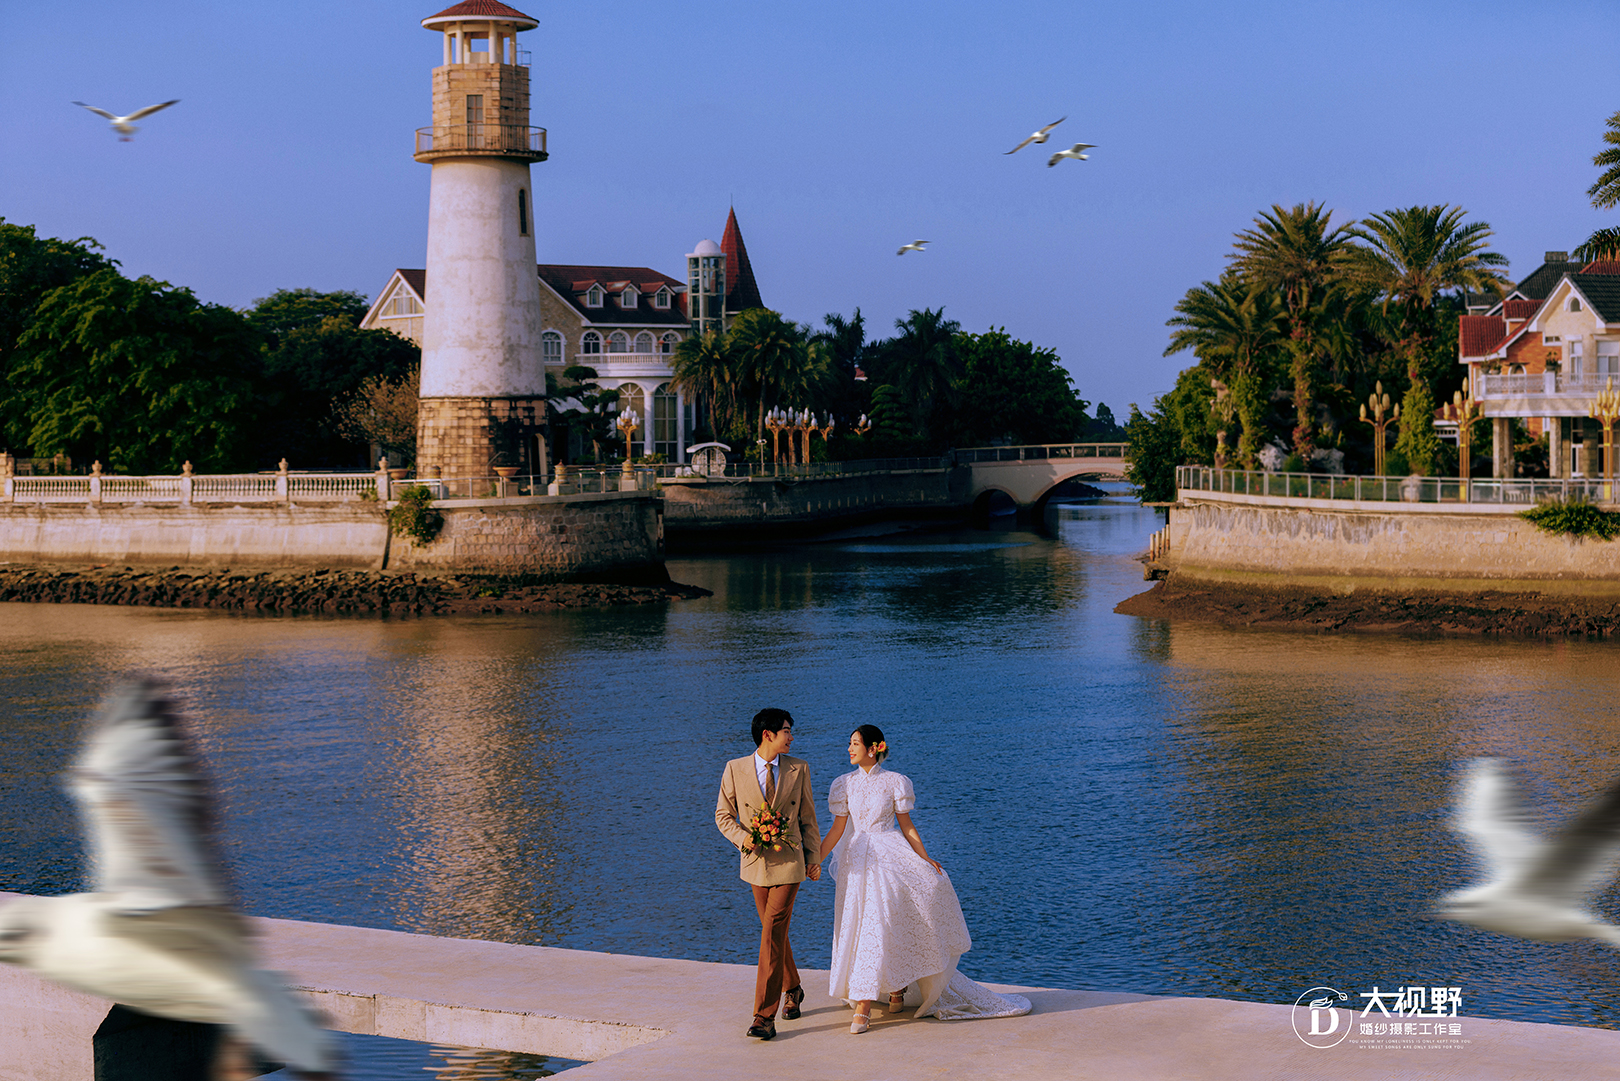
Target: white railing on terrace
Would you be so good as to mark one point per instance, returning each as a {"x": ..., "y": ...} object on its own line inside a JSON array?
[
  {"x": 744, "y": 470},
  {"x": 1525, "y": 492},
  {"x": 1543, "y": 384}
]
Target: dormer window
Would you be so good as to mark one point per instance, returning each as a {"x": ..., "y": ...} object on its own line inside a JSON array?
[
  {"x": 404, "y": 304},
  {"x": 661, "y": 300},
  {"x": 628, "y": 298},
  {"x": 593, "y": 297}
]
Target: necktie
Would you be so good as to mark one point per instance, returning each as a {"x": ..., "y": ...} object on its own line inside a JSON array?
[{"x": 770, "y": 782}]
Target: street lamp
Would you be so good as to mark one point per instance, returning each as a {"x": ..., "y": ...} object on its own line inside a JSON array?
[
  {"x": 1606, "y": 408},
  {"x": 826, "y": 430},
  {"x": 807, "y": 424},
  {"x": 776, "y": 420},
  {"x": 627, "y": 423},
  {"x": 1380, "y": 405},
  {"x": 1465, "y": 411},
  {"x": 863, "y": 425}
]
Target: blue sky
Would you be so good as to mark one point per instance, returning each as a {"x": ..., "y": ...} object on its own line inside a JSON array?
[{"x": 839, "y": 130}]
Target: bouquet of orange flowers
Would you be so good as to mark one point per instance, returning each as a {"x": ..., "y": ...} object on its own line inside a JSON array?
[{"x": 767, "y": 831}]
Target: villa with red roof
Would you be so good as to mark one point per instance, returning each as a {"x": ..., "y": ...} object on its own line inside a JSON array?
[
  {"x": 623, "y": 321},
  {"x": 1542, "y": 355}
]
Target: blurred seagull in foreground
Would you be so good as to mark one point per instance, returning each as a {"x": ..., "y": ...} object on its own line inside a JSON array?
[
  {"x": 1040, "y": 136},
  {"x": 158, "y": 934},
  {"x": 1536, "y": 887},
  {"x": 1077, "y": 152},
  {"x": 121, "y": 124},
  {"x": 915, "y": 245}
]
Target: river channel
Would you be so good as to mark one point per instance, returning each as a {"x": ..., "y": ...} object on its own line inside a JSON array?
[{"x": 1122, "y": 804}]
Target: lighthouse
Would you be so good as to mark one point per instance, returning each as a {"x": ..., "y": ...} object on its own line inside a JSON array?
[{"x": 482, "y": 397}]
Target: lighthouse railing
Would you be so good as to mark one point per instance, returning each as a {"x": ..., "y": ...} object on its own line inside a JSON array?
[{"x": 512, "y": 138}]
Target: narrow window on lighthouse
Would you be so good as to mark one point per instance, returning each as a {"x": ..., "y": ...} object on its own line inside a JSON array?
[{"x": 523, "y": 212}]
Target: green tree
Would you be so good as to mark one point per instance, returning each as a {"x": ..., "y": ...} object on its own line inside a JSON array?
[
  {"x": 1411, "y": 257},
  {"x": 30, "y": 268},
  {"x": 1606, "y": 192},
  {"x": 922, "y": 362},
  {"x": 138, "y": 374},
  {"x": 1234, "y": 328},
  {"x": 1010, "y": 391},
  {"x": 382, "y": 411},
  {"x": 1299, "y": 253},
  {"x": 578, "y": 402},
  {"x": 704, "y": 371},
  {"x": 773, "y": 365},
  {"x": 844, "y": 344},
  {"x": 287, "y": 310},
  {"x": 1155, "y": 449}
]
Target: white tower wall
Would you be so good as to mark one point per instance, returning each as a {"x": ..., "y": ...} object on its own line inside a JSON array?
[{"x": 481, "y": 333}]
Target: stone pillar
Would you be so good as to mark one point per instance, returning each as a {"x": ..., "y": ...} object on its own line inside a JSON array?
[
  {"x": 1501, "y": 447},
  {"x": 281, "y": 482},
  {"x": 383, "y": 493},
  {"x": 1554, "y": 427},
  {"x": 185, "y": 483},
  {"x": 95, "y": 481}
]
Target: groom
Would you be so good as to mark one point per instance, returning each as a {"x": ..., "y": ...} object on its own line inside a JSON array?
[{"x": 771, "y": 778}]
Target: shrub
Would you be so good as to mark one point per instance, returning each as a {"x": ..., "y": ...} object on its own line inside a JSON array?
[
  {"x": 414, "y": 516},
  {"x": 1576, "y": 517}
]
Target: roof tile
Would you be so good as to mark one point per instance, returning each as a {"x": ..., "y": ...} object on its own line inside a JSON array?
[
  {"x": 1479, "y": 335},
  {"x": 742, "y": 292}
]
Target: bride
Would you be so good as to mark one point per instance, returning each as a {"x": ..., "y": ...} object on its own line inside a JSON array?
[{"x": 897, "y": 925}]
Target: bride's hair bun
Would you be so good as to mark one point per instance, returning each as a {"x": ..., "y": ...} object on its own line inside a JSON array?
[{"x": 871, "y": 736}]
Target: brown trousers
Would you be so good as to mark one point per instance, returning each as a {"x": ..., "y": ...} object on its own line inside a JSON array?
[{"x": 777, "y": 972}]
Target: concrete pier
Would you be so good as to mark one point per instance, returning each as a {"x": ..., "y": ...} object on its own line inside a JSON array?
[{"x": 642, "y": 1018}]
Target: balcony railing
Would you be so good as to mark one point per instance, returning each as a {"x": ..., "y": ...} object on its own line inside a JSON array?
[
  {"x": 513, "y": 139},
  {"x": 1544, "y": 384}
]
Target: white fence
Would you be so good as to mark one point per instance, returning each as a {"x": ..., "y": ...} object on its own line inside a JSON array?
[{"x": 1199, "y": 478}]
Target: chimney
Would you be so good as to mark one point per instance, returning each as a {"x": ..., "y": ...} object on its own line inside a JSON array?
[{"x": 1556, "y": 257}]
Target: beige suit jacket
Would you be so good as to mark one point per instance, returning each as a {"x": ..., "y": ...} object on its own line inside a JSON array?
[{"x": 740, "y": 796}]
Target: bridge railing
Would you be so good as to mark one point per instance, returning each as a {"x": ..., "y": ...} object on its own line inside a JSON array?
[
  {"x": 1040, "y": 451},
  {"x": 1522, "y": 491},
  {"x": 813, "y": 469}
]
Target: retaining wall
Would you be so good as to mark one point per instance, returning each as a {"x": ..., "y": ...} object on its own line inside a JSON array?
[
  {"x": 562, "y": 535},
  {"x": 1346, "y": 546},
  {"x": 699, "y": 507}
]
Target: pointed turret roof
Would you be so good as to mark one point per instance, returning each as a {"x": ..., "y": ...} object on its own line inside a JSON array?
[{"x": 742, "y": 292}]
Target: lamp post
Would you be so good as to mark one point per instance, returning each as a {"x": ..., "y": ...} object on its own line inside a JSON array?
[
  {"x": 807, "y": 424},
  {"x": 1380, "y": 405},
  {"x": 1606, "y": 408},
  {"x": 627, "y": 423},
  {"x": 826, "y": 430},
  {"x": 776, "y": 420},
  {"x": 863, "y": 425},
  {"x": 1465, "y": 411}
]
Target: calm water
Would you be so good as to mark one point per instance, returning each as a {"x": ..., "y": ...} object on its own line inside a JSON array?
[{"x": 1122, "y": 804}]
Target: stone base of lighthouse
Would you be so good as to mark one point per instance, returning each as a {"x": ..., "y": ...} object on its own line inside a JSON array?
[{"x": 471, "y": 437}]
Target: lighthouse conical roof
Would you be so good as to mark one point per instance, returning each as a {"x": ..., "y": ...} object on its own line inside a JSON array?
[
  {"x": 480, "y": 9},
  {"x": 742, "y": 292}
]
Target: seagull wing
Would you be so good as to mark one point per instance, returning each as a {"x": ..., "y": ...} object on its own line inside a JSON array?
[
  {"x": 1052, "y": 125},
  {"x": 1023, "y": 144},
  {"x": 1078, "y": 147},
  {"x": 98, "y": 112},
  {"x": 144, "y": 807},
  {"x": 1581, "y": 856},
  {"x": 149, "y": 110},
  {"x": 1490, "y": 815},
  {"x": 1054, "y": 159},
  {"x": 269, "y": 1017}
]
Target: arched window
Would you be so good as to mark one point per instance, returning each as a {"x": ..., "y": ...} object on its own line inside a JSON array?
[
  {"x": 664, "y": 432},
  {"x": 644, "y": 342},
  {"x": 668, "y": 342},
  {"x": 591, "y": 343},
  {"x": 632, "y": 397},
  {"x": 523, "y": 212},
  {"x": 551, "y": 348},
  {"x": 1515, "y": 369},
  {"x": 618, "y": 342},
  {"x": 1574, "y": 304}
]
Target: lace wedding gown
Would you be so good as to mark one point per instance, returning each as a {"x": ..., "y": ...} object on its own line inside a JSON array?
[{"x": 896, "y": 921}]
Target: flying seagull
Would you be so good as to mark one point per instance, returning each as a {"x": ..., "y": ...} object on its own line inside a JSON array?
[
  {"x": 159, "y": 933},
  {"x": 915, "y": 245},
  {"x": 1535, "y": 887},
  {"x": 121, "y": 124},
  {"x": 1040, "y": 136},
  {"x": 1077, "y": 152}
]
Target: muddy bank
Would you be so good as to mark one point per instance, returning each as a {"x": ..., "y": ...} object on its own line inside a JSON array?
[
  {"x": 1519, "y": 615},
  {"x": 381, "y": 592}
]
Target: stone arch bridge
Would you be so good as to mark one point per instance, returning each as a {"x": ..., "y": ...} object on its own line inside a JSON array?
[{"x": 1028, "y": 474}]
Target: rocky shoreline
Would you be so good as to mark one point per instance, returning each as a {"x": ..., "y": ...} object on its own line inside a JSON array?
[
  {"x": 1513, "y": 615},
  {"x": 290, "y": 592}
]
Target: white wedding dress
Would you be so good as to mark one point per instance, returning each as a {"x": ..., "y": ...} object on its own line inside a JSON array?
[{"x": 896, "y": 921}]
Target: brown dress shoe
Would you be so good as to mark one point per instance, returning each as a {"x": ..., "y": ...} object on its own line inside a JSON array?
[
  {"x": 790, "y": 1008},
  {"x": 763, "y": 1028}
]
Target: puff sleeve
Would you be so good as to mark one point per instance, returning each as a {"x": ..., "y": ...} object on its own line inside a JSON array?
[
  {"x": 838, "y": 796},
  {"x": 904, "y": 798}
]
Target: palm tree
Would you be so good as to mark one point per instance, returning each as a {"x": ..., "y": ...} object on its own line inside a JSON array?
[
  {"x": 1300, "y": 254},
  {"x": 1231, "y": 326},
  {"x": 923, "y": 362},
  {"x": 1602, "y": 244},
  {"x": 769, "y": 357},
  {"x": 1411, "y": 256},
  {"x": 1606, "y": 192},
  {"x": 703, "y": 369}
]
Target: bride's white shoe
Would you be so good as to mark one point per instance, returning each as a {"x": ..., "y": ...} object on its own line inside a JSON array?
[{"x": 860, "y": 1024}]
